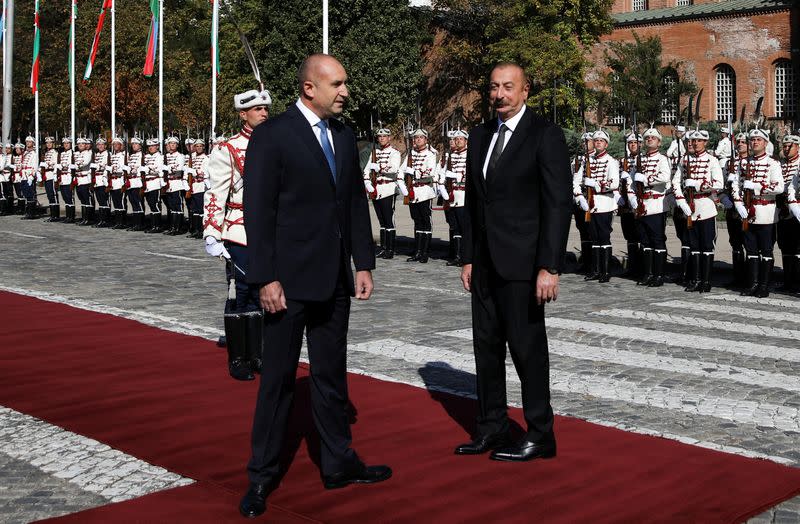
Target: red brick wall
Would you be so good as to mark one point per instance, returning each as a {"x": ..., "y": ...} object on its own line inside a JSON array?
[
  {"x": 625, "y": 6},
  {"x": 749, "y": 44}
]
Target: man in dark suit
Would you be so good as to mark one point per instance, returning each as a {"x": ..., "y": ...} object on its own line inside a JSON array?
[
  {"x": 519, "y": 197},
  {"x": 306, "y": 216}
]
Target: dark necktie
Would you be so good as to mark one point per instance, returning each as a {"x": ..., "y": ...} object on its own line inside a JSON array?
[
  {"x": 498, "y": 149},
  {"x": 326, "y": 147}
]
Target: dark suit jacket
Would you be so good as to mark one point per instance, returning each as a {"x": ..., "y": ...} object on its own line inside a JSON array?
[
  {"x": 522, "y": 212},
  {"x": 301, "y": 229}
]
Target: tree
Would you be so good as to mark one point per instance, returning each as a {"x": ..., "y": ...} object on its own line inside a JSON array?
[
  {"x": 638, "y": 80},
  {"x": 549, "y": 39}
]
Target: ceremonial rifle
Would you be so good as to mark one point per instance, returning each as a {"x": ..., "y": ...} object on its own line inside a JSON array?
[
  {"x": 373, "y": 175},
  {"x": 638, "y": 187},
  {"x": 446, "y": 164},
  {"x": 587, "y": 171},
  {"x": 623, "y": 184},
  {"x": 688, "y": 174},
  {"x": 409, "y": 179}
]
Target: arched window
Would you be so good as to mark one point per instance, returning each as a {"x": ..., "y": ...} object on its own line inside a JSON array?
[
  {"x": 785, "y": 95},
  {"x": 725, "y": 93},
  {"x": 669, "y": 100}
]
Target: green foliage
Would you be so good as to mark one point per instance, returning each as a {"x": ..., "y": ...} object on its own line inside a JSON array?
[
  {"x": 636, "y": 79},
  {"x": 376, "y": 40},
  {"x": 548, "y": 38}
]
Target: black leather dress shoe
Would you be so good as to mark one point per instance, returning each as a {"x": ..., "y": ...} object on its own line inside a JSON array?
[
  {"x": 483, "y": 444},
  {"x": 361, "y": 475},
  {"x": 525, "y": 450},
  {"x": 254, "y": 502}
]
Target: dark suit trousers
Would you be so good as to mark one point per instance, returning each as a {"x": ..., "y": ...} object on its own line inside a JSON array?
[
  {"x": 505, "y": 312},
  {"x": 325, "y": 324}
]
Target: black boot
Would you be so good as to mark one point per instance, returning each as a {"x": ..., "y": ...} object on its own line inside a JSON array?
[
  {"x": 647, "y": 267},
  {"x": 391, "y": 234},
  {"x": 177, "y": 225},
  {"x": 686, "y": 257},
  {"x": 706, "y": 267},
  {"x": 69, "y": 215},
  {"x": 21, "y": 206},
  {"x": 457, "y": 262},
  {"x": 54, "y": 213},
  {"x": 586, "y": 258},
  {"x": 381, "y": 249},
  {"x": 659, "y": 263},
  {"x": 30, "y": 211},
  {"x": 451, "y": 248},
  {"x": 694, "y": 280},
  {"x": 119, "y": 220},
  {"x": 752, "y": 277},
  {"x": 3, "y": 206},
  {"x": 417, "y": 246},
  {"x": 425, "y": 247},
  {"x": 635, "y": 255},
  {"x": 764, "y": 277},
  {"x": 254, "y": 344},
  {"x": 605, "y": 265},
  {"x": 738, "y": 263},
  {"x": 105, "y": 214},
  {"x": 236, "y": 336},
  {"x": 155, "y": 226},
  {"x": 169, "y": 223},
  {"x": 789, "y": 273},
  {"x": 192, "y": 226},
  {"x": 594, "y": 271},
  {"x": 84, "y": 216}
]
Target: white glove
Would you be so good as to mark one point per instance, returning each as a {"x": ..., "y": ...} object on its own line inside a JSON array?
[
  {"x": 165, "y": 169},
  {"x": 73, "y": 166},
  {"x": 142, "y": 170},
  {"x": 373, "y": 166},
  {"x": 93, "y": 166},
  {"x": 189, "y": 171},
  {"x": 732, "y": 177},
  {"x": 725, "y": 200},
  {"x": 450, "y": 174},
  {"x": 749, "y": 184},
  {"x": 618, "y": 198},
  {"x": 741, "y": 210},
  {"x": 443, "y": 191},
  {"x": 368, "y": 186},
  {"x": 685, "y": 208},
  {"x": 581, "y": 201},
  {"x": 401, "y": 185},
  {"x": 42, "y": 165},
  {"x": 624, "y": 176},
  {"x": 795, "y": 210},
  {"x": 126, "y": 169},
  {"x": 632, "y": 201},
  {"x": 590, "y": 182},
  {"x": 640, "y": 177},
  {"x": 408, "y": 170},
  {"x": 215, "y": 248},
  {"x": 690, "y": 182}
]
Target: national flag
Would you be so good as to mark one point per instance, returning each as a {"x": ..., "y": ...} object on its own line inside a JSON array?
[
  {"x": 152, "y": 39},
  {"x": 96, "y": 42},
  {"x": 35, "y": 68}
]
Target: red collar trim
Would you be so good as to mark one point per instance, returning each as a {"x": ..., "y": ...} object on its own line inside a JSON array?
[
  {"x": 601, "y": 155},
  {"x": 246, "y": 131},
  {"x": 759, "y": 157}
]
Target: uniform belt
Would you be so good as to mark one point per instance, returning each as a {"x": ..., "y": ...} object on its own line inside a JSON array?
[
  {"x": 381, "y": 182},
  {"x": 702, "y": 195},
  {"x": 421, "y": 184},
  {"x": 650, "y": 195},
  {"x": 234, "y": 205},
  {"x": 762, "y": 202}
]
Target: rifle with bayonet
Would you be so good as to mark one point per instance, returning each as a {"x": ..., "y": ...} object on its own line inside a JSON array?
[
  {"x": 408, "y": 177},
  {"x": 587, "y": 173},
  {"x": 373, "y": 158},
  {"x": 446, "y": 164},
  {"x": 638, "y": 187}
]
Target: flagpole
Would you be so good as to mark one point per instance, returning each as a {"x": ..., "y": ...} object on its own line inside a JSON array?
[
  {"x": 71, "y": 72},
  {"x": 113, "y": 71},
  {"x": 35, "y": 78},
  {"x": 325, "y": 26},
  {"x": 8, "y": 73},
  {"x": 214, "y": 59},
  {"x": 161, "y": 75}
]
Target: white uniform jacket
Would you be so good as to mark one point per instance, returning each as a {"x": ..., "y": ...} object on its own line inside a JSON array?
[
  {"x": 223, "y": 216},
  {"x": 83, "y": 163},
  {"x": 655, "y": 175},
  {"x": 604, "y": 170},
  {"x": 388, "y": 158},
  {"x": 176, "y": 177},
  {"x": 423, "y": 172},
  {"x": 154, "y": 172},
  {"x": 704, "y": 169},
  {"x": 766, "y": 174},
  {"x": 134, "y": 177}
]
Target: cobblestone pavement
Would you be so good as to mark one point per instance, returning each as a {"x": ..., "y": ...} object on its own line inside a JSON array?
[{"x": 716, "y": 370}]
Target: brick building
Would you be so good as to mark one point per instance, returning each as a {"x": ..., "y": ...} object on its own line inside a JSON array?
[{"x": 735, "y": 50}]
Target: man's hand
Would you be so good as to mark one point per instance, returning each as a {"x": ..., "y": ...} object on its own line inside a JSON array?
[
  {"x": 546, "y": 287},
  {"x": 364, "y": 285},
  {"x": 272, "y": 298},
  {"x": 466, "y": 276}
]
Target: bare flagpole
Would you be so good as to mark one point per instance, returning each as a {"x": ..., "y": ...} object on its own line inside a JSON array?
[
  {"x": 8, "y": 72},
  {"x": 161, "y": 75},
  {"x": 72, "y": 16},
  {"x": 325, "y": 26},
  {"x": 214, "y": 61},
  {"x": 113, "y": 71}
]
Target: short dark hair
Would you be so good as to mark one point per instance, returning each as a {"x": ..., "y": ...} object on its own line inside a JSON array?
[{"x": 514, "y": 65}]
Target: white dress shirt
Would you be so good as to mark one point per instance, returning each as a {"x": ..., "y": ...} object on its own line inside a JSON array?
[
  {"x": 511, "y": 124},
  {"x": 313, "y": 120}
]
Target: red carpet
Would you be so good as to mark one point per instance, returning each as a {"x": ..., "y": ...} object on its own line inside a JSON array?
[{"x": 166, "y": 398}]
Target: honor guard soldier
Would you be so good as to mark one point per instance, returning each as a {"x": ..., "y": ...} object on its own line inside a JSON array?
[
  {"x": 453, "y": 180},
  {"x": 677, "y": 148},
  {"x": 600, "y": 184},
  {"x": 16, "y": 177},
  {"x": 199, "y": 184},
  {"x": 29, "y": 170},
  {"x": 189, "y": 173},
  {"x": 66, "y": 176},
  {"x": 175, "y": 164},
  {"x": 759, "y": 182},
  {"x": 153, "y": 182},
  {"x": 732, "y": 218},
  {"x": 117, "y": 173},
  {"x": 723, "y": 151},
  {"x": 83, "y": 180},
  {"x": 789, "y": 223},
  {"x": 101, "y": 165},
  {"x": 646, "y": 195},
  {"x": 6, "y": 187},
  {"x": 696, "y": 183},
  {"x": 223, "y": 229},
  {"x": 134, "y": 184},
  {"x": 627, "y": 216},
  {"x": 585, "y": 257},
  {"x": 420, "y": 167},
  {"x": 382, "y": 191},
  {"x": 49, "y": 166}
]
